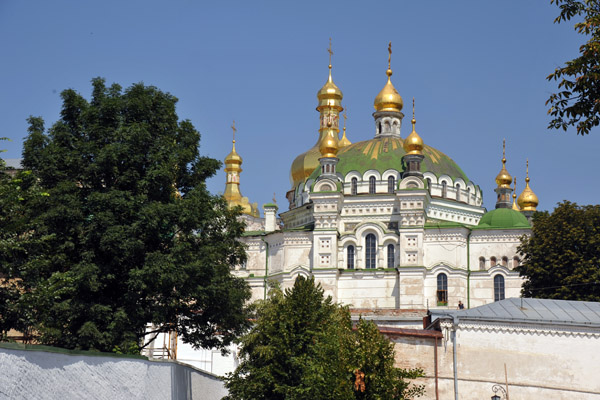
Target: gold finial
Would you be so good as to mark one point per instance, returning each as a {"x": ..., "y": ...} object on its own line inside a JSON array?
[
  {"x": 345, "y": 118},
  {"x": 330, "y": 53},
  {"x": 527, "y": 171},
  {"x": 515, "y": 206},
  {"x": 414, "y": 120},
  {"x": 234, "y": 130},
  {"x": 390, "y": 56},
  {"x": 503, "y": 151},
  {"x": 274, "y": 198}
]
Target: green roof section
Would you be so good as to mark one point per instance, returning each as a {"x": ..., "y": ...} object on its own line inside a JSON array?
[
  {"x": 503, "y": 218},
  {"x": 385, "y": 153}
]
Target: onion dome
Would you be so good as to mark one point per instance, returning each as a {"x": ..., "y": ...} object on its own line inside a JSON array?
[
  {"x": 232, "y": 194},
  {"x": 527, "y": 200},
  {"x": 503, "y": 179},
  {"x": 388, "y": 99},
  {"x": 330, "y": 96},
  {"x": 233, "y": 159},
  {"x": 413, "y": 144},
  {"x": 344, "y": 140}
]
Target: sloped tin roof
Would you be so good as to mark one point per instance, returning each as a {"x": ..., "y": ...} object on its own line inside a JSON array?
[{"x": 526, "y": 310}]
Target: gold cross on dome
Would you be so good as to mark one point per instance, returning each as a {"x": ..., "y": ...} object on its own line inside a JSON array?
[
  {"x": 330, "y": 51},
  {"x": 390, "y": 56},
  {"x": 234, "y": 130}
]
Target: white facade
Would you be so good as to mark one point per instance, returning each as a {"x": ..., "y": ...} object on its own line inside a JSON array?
[{"x": 535, "y": 348}]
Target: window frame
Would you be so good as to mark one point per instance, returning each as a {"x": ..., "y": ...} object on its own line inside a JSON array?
[
  {"x": 391, "y": 255},
  {"x": 370, "y": 251},
  {"x": 372, "y": 185},
  {"x": 442, "y": 289},
  {"x": 350, "y": 257},
  {"x": 354, "y": 187},
  {"x": 499, "y": 287}
]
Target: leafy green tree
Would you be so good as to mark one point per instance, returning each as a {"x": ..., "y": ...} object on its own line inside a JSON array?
[
  {"x": 578, "y": 102},
  {"x": 562, "y": 256},
  {"x": 302, "y": 346},
  {"x": 127, "y": 234}
]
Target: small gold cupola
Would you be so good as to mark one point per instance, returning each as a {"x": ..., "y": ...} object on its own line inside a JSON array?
[
  {"x": 389, "y": 99},
  {"x": 515, "y": 206},
  {"x": 413, "y": 144},
  {"x": 344, "y": 140},
  {"x": 527, "y": 200},
  {"x": 329, "y": 96},
  {"x": 233, "y": 169},
  {"x": 503, "y": 179}
]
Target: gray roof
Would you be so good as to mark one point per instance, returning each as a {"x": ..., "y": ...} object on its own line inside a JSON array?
[
  {"x": 13, "y": 162},
  {"x": 538, "y": 311}
]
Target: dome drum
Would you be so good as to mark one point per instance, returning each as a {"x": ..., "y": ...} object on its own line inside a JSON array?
[{"x": 388, "y": 123}]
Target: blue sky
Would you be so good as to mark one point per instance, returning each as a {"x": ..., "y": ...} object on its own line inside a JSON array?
[{"x": 476, "y": 69}]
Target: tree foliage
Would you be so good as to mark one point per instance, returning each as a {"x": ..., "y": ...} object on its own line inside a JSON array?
[
  {"x": 578, "y": 101},
  {"x": 562, "y": 257},
  {"x": 303, "y": 347},
  {"x": 127, "y": 234}
]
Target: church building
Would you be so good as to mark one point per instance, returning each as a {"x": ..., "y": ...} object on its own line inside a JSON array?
[{"x": 385, "y": 224}]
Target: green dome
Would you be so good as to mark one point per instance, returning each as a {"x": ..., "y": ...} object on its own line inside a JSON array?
[
  {"x": 386, "y": 153},
  {"x": 503, "y": 218}
]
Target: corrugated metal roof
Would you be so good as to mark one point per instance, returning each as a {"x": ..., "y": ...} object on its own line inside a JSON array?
[
  {"x": 13, "y": 162},
  {"x": 561, "y": 312}
]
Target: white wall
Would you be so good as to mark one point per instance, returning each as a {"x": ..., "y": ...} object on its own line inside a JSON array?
[{"x": 34, "y": 374}]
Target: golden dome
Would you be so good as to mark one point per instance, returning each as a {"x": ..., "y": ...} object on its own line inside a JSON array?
[
  {"x": 329, "y": 146},
  {"x": 233, "y": 158},
  {"x": 330, "y": 96},
  {"x": 389, "y": 99},
  {"x": 503, "y": 179},
  {"x": 413, "y": 144},
  {"x": 344, "y": 140},
  {"x": 527, "y": 200}
]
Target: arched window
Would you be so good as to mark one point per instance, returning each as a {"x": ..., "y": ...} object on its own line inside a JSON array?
[
  {"x": 371, "y": 185},
  {"x": 354, "y": 186},
  {"x": 498, "y": 288},
  {"x": 516, "y": 261},
  {"x": 444, "y": 189},
  {"x": 370, "y": 250},
  {"x": 492, "y": 261},
  {"x": 505, "y": 261},
  {"x": 481, "y": 262},
  {"x": 391, "y": 184},
  {"x": 458, "y": 191},
  {"x": 350, "y": 257},
  {"x": 390, "y": 255},
  {"x": 428, "y": 183},
  {"x": 442, "y": 290}
]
